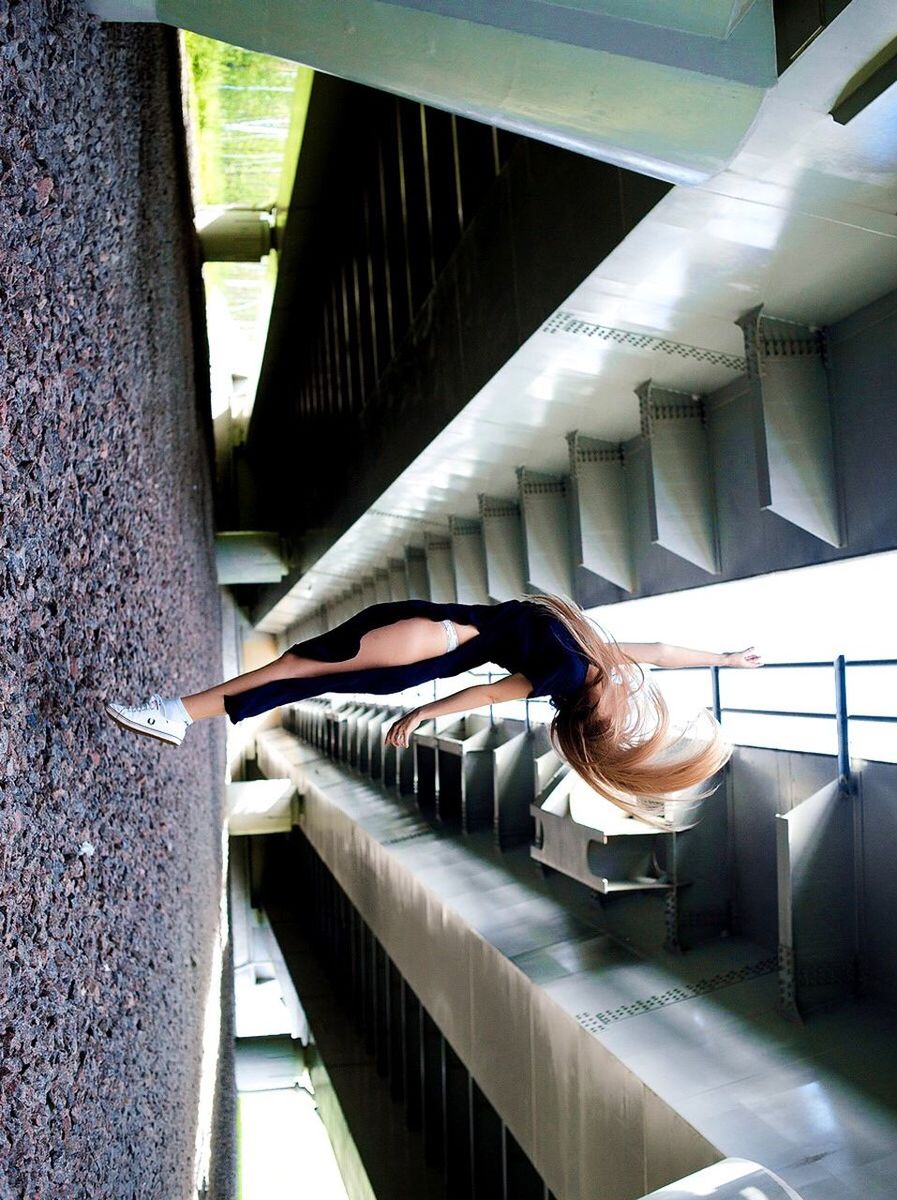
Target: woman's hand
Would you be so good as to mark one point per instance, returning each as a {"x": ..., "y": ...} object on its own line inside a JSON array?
[
  {"x": 400, "y": 733},
  {"x": 743, "y": 658}
]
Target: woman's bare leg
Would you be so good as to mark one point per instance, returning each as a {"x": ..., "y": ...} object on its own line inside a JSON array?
[
  {"x": 392, "y": 645},
  {"x": 210, "y": 703}
]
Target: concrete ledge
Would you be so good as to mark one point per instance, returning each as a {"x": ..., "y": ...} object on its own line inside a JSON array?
[
  {"x": 561, "y": 1092},
  {"x": 580, "y": 1044},
  {"x": 261, "y": 806}
]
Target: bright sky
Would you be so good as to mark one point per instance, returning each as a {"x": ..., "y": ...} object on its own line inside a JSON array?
[
  {"x": 811, "y": 613},
  {"x": 285, "y": 1153}
]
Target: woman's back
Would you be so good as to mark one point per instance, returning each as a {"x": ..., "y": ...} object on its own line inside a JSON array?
[{"x": 528, "y": 640}]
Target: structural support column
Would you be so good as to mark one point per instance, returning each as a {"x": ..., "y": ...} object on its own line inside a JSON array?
[
  {"x": 416, "y": 569},
  {"x": 260, "y": 806},
  {"x": 503, "y": 547},
  {"x": 440, "y": 568},
  {"x": 347, "y": 607},
  {"x": 398, "y": 579},
  {"x": 381, "y": 587},
  {"x": 234, "y": 234},
  {"x": 681, "y": 503},
  {"x": 817, "y": 917},
  {"x": 249, "y": 557},
  {"x": 316, "y": 623},
  {"x": 793, "y": 424},
  {"x": 602, "y": 540},
  {"x": 546, "y": 531},
  {"x": 469, "y": 554}
]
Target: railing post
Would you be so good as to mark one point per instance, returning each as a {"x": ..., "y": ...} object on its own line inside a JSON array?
[
  {"x": 730, "y": 807},
  {"x": 841, "y": 719},
  {"x": 714, "y": 684}
]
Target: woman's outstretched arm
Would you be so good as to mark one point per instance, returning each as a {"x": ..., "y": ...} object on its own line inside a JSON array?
[
  {"x": 660, "y": 654},
  {"x": 512, "y": 687}
]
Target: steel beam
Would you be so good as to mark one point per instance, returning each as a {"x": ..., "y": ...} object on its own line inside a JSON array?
[
  {"x": 469, "y": 555},
  {"x": 440, "y": 568},
  {"x": 416, "y": 569},
  {"x": 681, "y": 504},
  {"x": 545, "y": 510},
  {"x": 793, "y": 435},
  {"x": 398, "y": 579},
  {"x": 503, "y": 546},
  {"x": 602, "y": 540}
]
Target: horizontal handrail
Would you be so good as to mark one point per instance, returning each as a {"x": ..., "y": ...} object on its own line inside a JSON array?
[
  {"x": 840, "y": 714},
  {"x": 773, "y": 666},
  {"x": 813, "y": 716}
]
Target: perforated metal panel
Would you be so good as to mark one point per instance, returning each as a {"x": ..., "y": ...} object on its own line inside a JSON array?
[{"x": 569, "y": 323}]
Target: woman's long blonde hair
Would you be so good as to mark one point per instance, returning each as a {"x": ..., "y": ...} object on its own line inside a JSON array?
[{"x": 616, "y": 733}]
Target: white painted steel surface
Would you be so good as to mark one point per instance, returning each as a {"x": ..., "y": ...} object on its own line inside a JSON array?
[
  {"x": 794, "y": 435},
  {"x": 398, "y": 579},
  {"x": 440, "y": 569},
  {"x": 603, "y": 538},
  {"x": 580, "y": 1043},
  {"x": 509, "y": 66},
  {"x": 545, "y": 512},
  {"x": 259, "y": 806},
  {"x": 681, "y": 504},
  {"x": 503, "y": 545},
  {"x": 664, "y": 304},
  {"x": 469, "y": 555}
]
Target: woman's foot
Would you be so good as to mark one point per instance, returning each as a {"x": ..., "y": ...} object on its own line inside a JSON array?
[{"x": 149, "y": 719}]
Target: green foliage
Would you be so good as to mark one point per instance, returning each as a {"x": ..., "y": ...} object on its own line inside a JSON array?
[{"x": 241, "y": 101}]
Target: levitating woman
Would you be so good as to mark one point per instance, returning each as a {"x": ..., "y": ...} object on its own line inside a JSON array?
[{"x": 611, "y": 725}]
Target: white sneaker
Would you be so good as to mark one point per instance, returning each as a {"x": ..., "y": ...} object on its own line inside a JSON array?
[{"x": 149, "y": 719}]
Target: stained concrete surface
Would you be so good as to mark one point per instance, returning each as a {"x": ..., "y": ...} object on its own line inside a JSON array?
[{"x": 109, "y": 843}]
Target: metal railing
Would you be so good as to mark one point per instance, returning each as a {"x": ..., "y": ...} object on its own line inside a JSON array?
[{"x": 840, "y": 714}]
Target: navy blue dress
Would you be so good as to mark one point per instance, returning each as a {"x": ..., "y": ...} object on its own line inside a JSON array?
[{"x": 517, "y": 635}]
